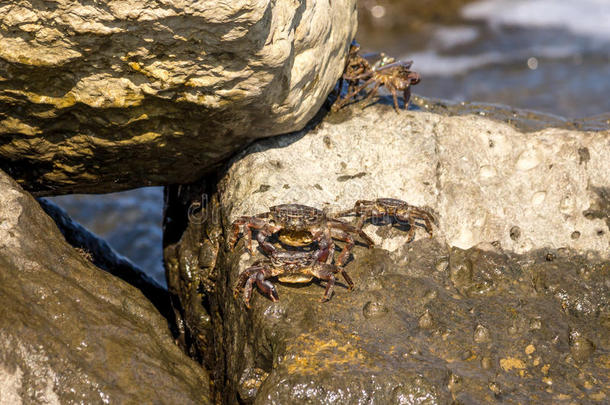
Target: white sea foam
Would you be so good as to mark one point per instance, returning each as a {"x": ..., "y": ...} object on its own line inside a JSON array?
[
  {"x": 433, "y": 63},
  {"x": 589, "y": 18},
  {"x": 448, "y": 37},
  {"x": 582, "y": 17}
]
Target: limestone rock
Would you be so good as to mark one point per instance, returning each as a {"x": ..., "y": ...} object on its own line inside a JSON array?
[
  {"x": 485, "y": 181},
  {"x": 71, "y": 332},
  {"x": 438, "y": 320},
  {"x": 99, "y": 97}
]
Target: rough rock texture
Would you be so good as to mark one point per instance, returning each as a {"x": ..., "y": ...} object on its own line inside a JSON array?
[
  {"x": 91, "y": 90},
  {"x": 485, "y": 181},
  {"x": 192, "y": 239},
  {"x": 435, "y": 321},
  {"x": 72, "y": 333},
  {"x": 431, "y": 325}
]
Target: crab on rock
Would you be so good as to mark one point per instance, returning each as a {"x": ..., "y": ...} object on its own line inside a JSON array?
[
  {"x": 390, "y": 208},
  {"x": 394, "y": 75},
  {"x": 289, "y": 267},
  {"x": 297, "y": 226},
  {"x": 355, "y": 66}
]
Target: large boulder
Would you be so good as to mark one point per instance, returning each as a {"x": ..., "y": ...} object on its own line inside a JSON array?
[
  {"x": 508, "y": 300},
  {"x": 70, "y": 332},
  {"x": 99, "y": 97}
]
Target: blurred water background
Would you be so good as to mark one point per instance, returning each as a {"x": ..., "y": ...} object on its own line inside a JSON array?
[{"x": 547, "y": 55}]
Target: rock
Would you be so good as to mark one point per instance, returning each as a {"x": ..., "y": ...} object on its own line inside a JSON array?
[
  {"x": 122, "y": 218},
  {"x": 71, "y": 332},
  {"x": 101, "y": 254},
  {"x": 123, "y": 94},
  {"x": 442, "y": 319},
  {"x": 481, "y": 178}
]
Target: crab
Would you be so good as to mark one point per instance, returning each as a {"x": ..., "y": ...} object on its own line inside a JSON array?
[
  {"x": 390, "y": 208},
  {"x": 394, "y": 75},
  {"x": 355, "y": 66},
  {"x": 382, "y": 61},
  {"x": 289, "y": 267},
  {"x": 297, "y": 226}
]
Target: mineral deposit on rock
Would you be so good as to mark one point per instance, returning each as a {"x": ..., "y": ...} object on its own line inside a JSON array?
[{"x": 103, "y": 96}]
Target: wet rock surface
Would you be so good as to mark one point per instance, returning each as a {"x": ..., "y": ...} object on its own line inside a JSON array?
[
  {"x": 100, "y": 97},
  {"x": 71, "y": 332},
  {"x": 426, "y": 324},
  {"x": 433, "y": 321},
  {"x": 432, "y": 337},
  {"x": 101, "y": 254}
]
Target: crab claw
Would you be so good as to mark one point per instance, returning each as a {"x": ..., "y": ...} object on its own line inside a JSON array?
[
  {"x": 273, "y": 295},
  {"x": 266, "y": 287}
]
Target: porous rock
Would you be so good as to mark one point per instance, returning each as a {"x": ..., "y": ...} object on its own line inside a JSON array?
[
  {"x": 72, "y": 333},
  {"x": 438, "y": 320},
  {"x": 104, "y": 96},
  {"x": 485, "y": 181}
]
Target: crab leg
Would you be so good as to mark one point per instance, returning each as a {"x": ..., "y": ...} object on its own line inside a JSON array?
[
  {"x": 342, "y": 102},
  {"x": 395, "y": 98},
  {"x": 362, "y": 209},
  {"x": 237, "y": 229},
  {"x": 243, "y": 276},
  {"x": 255, "y": 274},
  {"x": 348, "y": 280},
  {"x": 414, "y": 216},
  {"x": 413, "y": 80},
  {"x": 411, "y": 233},
  {"x": 325, "y": 244},
  {"x": 326, "y": 272},
  {"x": 342, "y": 232},
  {"x": 262, "y": 236},
  {"x": 373, "y": 92},
  {"x": 245, "y": 225},
  {"x": 347, "y": 238},
  {"x": 338, "y": 224}
]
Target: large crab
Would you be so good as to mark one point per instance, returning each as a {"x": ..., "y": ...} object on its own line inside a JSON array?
[
  {"x": 394, "y": 75},
  {"x": 297, "y": 226},
  {"x": 289, "y": 267},
  {"x": 400, "y": 212}
]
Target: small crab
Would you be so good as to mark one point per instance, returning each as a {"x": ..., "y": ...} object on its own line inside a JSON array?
[
  {"x": 393, "y": 75},
  {"x": 289, "y": 267},
  {"x": 391, "y": 208},
  {"x": 355, "y": 66},
  {"x": 297, "y": 226}
]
